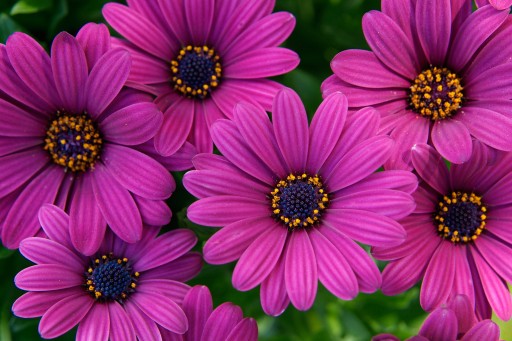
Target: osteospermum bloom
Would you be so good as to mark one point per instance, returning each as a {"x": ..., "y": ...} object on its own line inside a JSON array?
[
  {"x": 68, "y": 135},
  {"x": 459, "y": 236},
  {"x": 122, "y": 292},
  {"x": 437, "y": 72},
  {"x": 224, "y": 323},
  {"x": 452, "y": 322},
  {"x": 291, "y": 199},
  {"x": 200, "y": 57}
]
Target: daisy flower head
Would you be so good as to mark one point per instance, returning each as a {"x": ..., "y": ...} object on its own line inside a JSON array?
[
  {"x": 291, "y": 198},
  {"x": 459, "y": 237},
  {"x": 122, "y": 292},
  {"x": 68, "y": 134},
  {"x": 224, "y": 323},
  {"x": 437, "y": 72},
  {"x": 452, "y": 322},
  {"x": 201, "y": 57}
]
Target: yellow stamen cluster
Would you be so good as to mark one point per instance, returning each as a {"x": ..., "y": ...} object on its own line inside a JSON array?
[
  {"x": 436, "y": 93},
  {"x": 467, "y": 223},
  {"x": 192, "y": 80},
  {"x": 73, "y": 141},
  {"x": 299, "y": 200}
]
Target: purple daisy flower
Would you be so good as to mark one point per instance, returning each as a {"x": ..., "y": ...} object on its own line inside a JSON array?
[
  {"x": 224, "y": 323},
  {"x": 69, "y": 134},
  {"x": 453, "y": 322},
  {"x": 291, "y": 199},
  {"x": 438, "y": 74},
  {"x": 123, "y": 291},
  {"x": 201, "y": 57},
  {"x": 459, "y": 236}
]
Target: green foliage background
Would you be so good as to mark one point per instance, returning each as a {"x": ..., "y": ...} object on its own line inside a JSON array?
[{"x": 324, "y": 27}]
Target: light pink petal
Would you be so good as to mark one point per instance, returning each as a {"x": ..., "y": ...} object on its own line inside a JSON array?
[
  {"x": 222, "y": 320},
  {"x": 46, "y": 251},
  {"x": 230, "y": 242},
  {"x": 337, "y": 276},
  {"x": 439, "y": 276},
  {"x": 212, "y": 211},
  {"x": 273, "y": 295},
  {"x": 433, "y": 24},
  {"x": 121, "y": 327},
  {"x": 325, "y": 130},
  {"x": 138, "y": 30},
  {"x": 260, "y": 258},
  {"x": 390, "y": 44},
  {"x": 431, "y": 167},
  {"x": 175, "y": 128},
  {"x": 95, "y": 41},
  {"x": 301, "y": 273},
  {"x": 291, "y": 128},
  {"x": 86, "y": 222},
  {"x": 199, "y": 15},
  {"x": 33, "y": 66},
  {"x": 113, "y": 66},
  {"x": 95, "y": 325},
  {"x": 360, "y": 162},
  {"x": 137, "y": 172},
  {"x": 261, "y": 63},
  {"x": 441, "y": 325},
  {"x": 64, "y": 315},
  {"x": 163, "y": 311},
  {"x": 70, "y": 72}
]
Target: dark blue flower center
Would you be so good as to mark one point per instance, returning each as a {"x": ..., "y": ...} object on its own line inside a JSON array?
[
  {"x": 460, "y": 217},
  {"x": 73, "y": 141},
  {"x": 110, "y": 279},
  {"x": 299, "y": 200},
  {"x": 196, "y": 71},
  {"x": 436, "y": 93}
]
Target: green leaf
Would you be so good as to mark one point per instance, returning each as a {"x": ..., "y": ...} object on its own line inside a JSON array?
[
  {"x": 7, "y": 27},
  {"x": 5, "y": 253},
  {"x": 30, "y": 6}
]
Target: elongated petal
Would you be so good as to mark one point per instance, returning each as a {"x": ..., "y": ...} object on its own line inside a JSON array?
[
  {"x": 431, "y": 167},
  {"x": 433, "y": 23},
  {"x": 247, "y": 329},
  {"x": 175, "y": 128},
  {"x": 440, "y": 325},
  {"x": 36, "y": 278},
  {"x": 261, "y": 63},
  {"x": 484, "y": 330},
  {"x": 95, "y": 41},
  {"x": 198, "y": 306},
  {"x": 121, "y": 327},
  {"x": 36, "y": 303},
  {"x": 273, "y": 295},
  {"x": 222, "y": 320},
  {"x": 45, "y": 251},
  {"x": 95, "y": 325},
  {"x": 452, "y": 140},
  {"x": 163, "y": 311},
  {"x": 199, "y": 15}
]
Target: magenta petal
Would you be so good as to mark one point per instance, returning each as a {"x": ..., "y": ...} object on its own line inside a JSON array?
[
  {"x": 163, "y": 311},
  {"x": 200, "y": 134},
  {"x": 325, "y": 130},
  {"x": 36, "y": 303},
  {"x": 337, "y": 276},
  {"x": 33, "y": 66},
  {"x": 390, "y": 179},
  {"x": 121, "y": 327},
  {"x": 388, "y": 41},
  {"x": 212, "y": 211},
  {"x": 273, "y": 295},
  {"x": 441, "y": 325},
  {"x": 438, "y": 277},
  {"x": 464, "y": 311},
  {"x": 360, "y": 162},
  {"x": 473, "y": 33},
  {"x": 259, "y": 258},
  {"x": 494, "y": 252},
  {"x": 230, "y": 242},
  {"x": 431, "y": 167},
  {"x": 301, "y": 276},
  {"x": 46, "y": 251},
  {"x": 86, "y": 222},
  {"x": 433, "y": 23},
  {"x": 247, "y": 329},
  {"x": 144, "y": 327},
  {"x": 452, "y": 140},
  {"x": 69, "y": 71},
  {"x": 138, "y": 29},
  {"x": 166, "y": 248},
  {"x": 95, "y": 41},
  {"x": 134, "y": 124},
  {"x": 182, "y": 269},
  {"x": 483, "y": 330},
  {"x": 113, "y": 66},
  {"x": 137, "y": 172},
  {"x": 175, "y": 17},
  {"x": 261, "y": 63},
  {"x": 364, "y": 69},
  {"x": 222, "y": 320},
  {"x": 117, "y": 205},
  {"x": 153, "y": 212},
  {"x": 20, "y": 122},
  {"x": 174, "y": 290},
  {"x": 199, "y": 15},
  {"x": 64, "y": 315},
  {"x": 291, "y": 128},
  {"x": 35, "y": 278},
  {"x": 55, "y": 223},
  {"x": 463, "y": 281},
  {"x": 198, "y": 307},
  {"x": 365, "y": 227},
  {"x": 175, "y": 128},
  {"x": 21, "y": 221},
  {"x": 18, "y": 168},
  {"x": 95, "y": 325}
]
